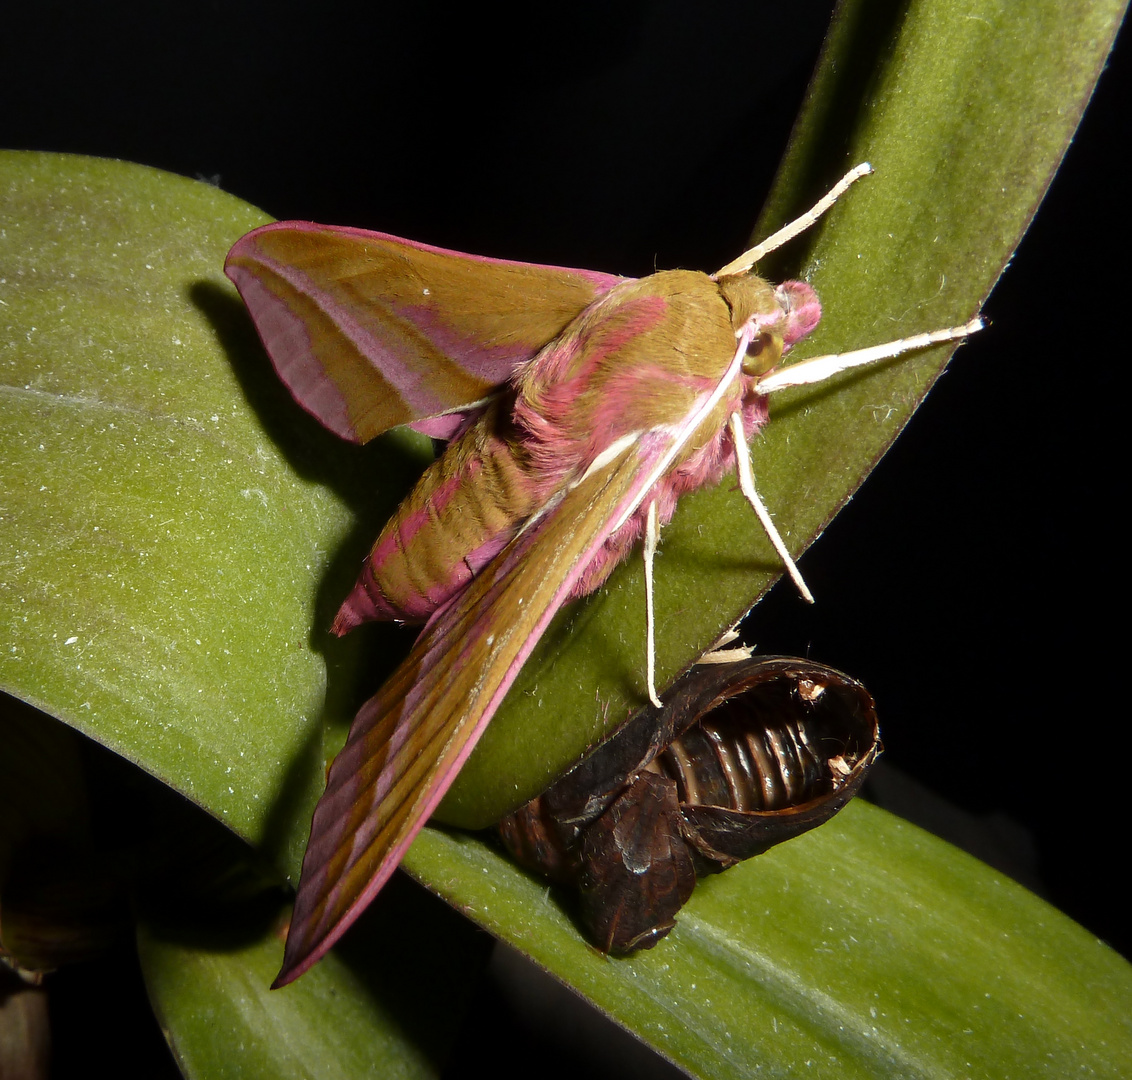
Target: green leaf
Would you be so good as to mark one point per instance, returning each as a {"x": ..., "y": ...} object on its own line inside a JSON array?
[
  {"x": 866, "y": 948},
  {"x": 385, "y": 1006},
  {"x": 87, "y": 840},
  {"x": 168, "y": 528},
  {"x": 223, "y": 1021}
]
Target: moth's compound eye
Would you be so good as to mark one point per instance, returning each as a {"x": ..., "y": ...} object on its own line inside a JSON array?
[{"x": 763, "y": 353}]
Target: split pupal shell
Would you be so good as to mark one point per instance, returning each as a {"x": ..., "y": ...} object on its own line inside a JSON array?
[{"x": 740, "y": 757}]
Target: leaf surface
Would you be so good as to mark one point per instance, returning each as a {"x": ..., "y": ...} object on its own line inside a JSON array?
[{"x": 866, "y": 948}]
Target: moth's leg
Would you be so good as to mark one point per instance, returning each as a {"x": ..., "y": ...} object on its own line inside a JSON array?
[
  {"x": 800, "y": 224},
  {"x": 747, "y": 486},
  {"x": 818, "y": 368},
  {"x": 652, "y": 535}
]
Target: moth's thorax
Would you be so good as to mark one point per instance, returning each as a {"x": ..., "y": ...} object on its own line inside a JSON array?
[
  {"x": 635, "y": 360},
  {"x": 643, "y": 359},
  {"x": 747, "y": 295}
]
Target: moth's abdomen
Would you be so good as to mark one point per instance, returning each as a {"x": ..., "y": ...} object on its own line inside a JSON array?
[{"x": 464, "y": 509}]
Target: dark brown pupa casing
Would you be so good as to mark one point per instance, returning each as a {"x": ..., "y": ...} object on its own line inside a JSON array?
[{"x": 741, "y": 756}]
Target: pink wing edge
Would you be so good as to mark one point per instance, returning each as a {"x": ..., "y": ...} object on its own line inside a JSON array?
[
  {"x": 285, "y": 339},
  {"x": 431, "y": 638},
  {"x": 602, "y": 281}
]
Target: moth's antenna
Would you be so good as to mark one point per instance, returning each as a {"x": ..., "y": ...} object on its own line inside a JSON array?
[{"x": 800, "y": 224}]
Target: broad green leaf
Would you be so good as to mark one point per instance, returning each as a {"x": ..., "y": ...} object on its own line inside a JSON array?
[
  {"x": 167, "y": 527},
  {"x": 222, "y": 1020},
  {"x": 384, "y": 1007},
  {"x": 866, "y": 948},
  {"x": 86, "y": 840}
]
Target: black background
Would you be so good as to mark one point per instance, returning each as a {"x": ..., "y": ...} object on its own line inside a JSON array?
[{"x": 973, "y": 584}]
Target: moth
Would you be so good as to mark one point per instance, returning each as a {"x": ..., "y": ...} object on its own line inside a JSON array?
[
  {"x": 579, "y": 407},
  {"x": 741, "y": 756}
]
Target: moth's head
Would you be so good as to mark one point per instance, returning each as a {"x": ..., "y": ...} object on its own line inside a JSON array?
[{"x": 780, "y": 316}]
